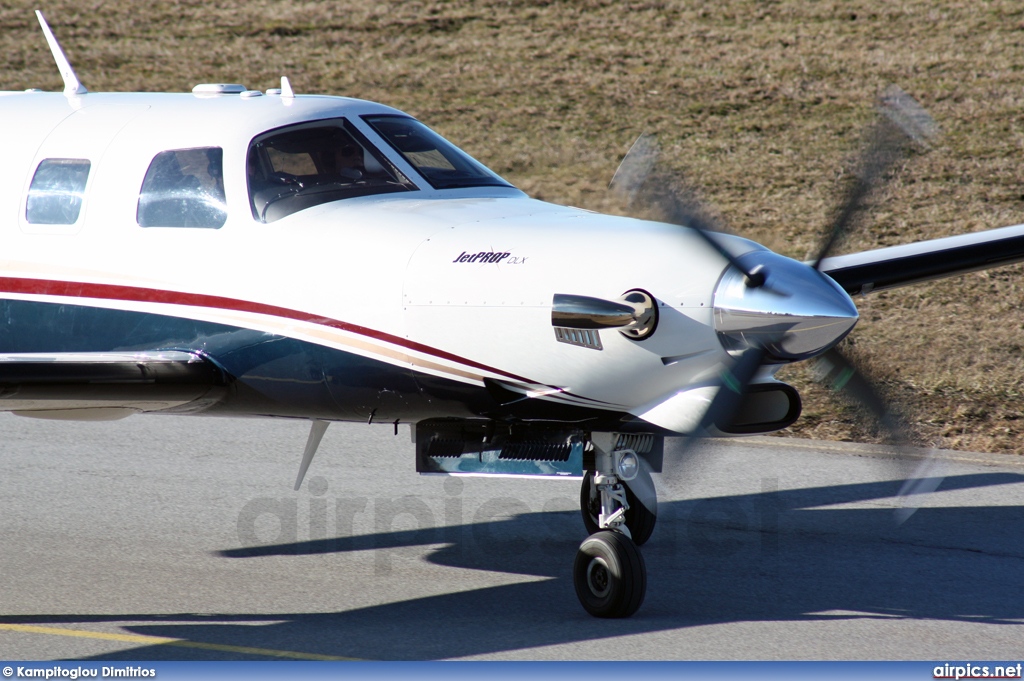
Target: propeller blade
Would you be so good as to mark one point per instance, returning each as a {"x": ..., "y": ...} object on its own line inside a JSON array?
[
  {"x": 921, "y": 476},
  {"x": 636, "y": 165},
  {"x": 900, "y": 120},
  {"x": 910, "y": 117},
  {"x": 733, "y": 382},
  {"x": 638, "y": 177},
  {"x": 925, "y": 479},
  {"x": 839, "y": 373}
]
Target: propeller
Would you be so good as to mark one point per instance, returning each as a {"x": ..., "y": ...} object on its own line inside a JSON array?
[{"x": 900, "y": 122}]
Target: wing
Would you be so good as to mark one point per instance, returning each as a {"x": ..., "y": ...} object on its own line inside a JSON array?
[
  {"x": 912, "y": 263},
  {"x": 107, "y": 385}
]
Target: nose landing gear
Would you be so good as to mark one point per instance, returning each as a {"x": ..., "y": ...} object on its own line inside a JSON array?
[{"x": 609, "y": 573}]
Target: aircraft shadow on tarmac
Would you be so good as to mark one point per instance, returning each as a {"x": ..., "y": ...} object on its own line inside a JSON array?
[{"x": 772, "y": 556}]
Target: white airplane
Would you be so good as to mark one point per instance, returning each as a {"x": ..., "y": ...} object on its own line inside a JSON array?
[{"x": 244, "y": 253}]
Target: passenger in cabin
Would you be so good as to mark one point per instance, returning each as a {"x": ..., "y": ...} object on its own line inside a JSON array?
[
  {"x": 167, "y": 175},
  {"x": 215, "y": 171},
  {"x": 184, "y": 188}
]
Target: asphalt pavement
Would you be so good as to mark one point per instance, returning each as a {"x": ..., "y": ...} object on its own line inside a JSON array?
[{"x": 161, "y": 537}]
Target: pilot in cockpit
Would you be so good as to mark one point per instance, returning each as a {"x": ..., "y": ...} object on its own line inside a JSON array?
[{"x": 348, "y": 162}]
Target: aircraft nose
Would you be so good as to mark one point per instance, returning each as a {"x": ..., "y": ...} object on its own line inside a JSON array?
[{"x": 797, "y": 312}]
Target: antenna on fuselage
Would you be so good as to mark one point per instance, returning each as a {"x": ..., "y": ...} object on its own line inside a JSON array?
[
  {"x": 286, "y": 88},
  {"x": 72, "y": 86},
  {"x": 316, "y": 433}
]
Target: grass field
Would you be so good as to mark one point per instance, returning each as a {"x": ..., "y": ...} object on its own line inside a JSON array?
[{"x": 760, "y": 104}]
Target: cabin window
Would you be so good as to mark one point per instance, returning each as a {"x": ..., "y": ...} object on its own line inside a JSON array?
[
  {"x": 55, "y": 195},
  {"x": 184, "y": 188},
  {"x": 304, "y": 166},
  {"x": 444, "y": 165}
]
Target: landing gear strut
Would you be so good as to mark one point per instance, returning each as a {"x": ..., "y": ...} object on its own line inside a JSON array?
[
  {"x": 639, "y": 520},
  {"x": 609, "y": 573}
]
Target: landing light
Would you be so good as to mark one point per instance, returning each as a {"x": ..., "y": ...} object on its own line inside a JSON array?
[{"x": 628, "y": 465}]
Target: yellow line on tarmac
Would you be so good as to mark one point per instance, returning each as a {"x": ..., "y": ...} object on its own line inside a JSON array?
[{"x": 177, "y": 642}]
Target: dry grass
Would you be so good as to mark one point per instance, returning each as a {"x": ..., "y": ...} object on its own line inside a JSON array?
[{"x": 760, "y": 103}]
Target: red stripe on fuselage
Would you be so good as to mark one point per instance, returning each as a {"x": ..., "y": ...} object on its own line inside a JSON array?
[{"x": 72, "y": 289}]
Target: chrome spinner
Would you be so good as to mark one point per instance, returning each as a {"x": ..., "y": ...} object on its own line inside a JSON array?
[{"x": 796, "y": 313}]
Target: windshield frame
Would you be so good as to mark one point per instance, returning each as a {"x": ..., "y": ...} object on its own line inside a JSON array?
[{"x": 476, "y": 174}]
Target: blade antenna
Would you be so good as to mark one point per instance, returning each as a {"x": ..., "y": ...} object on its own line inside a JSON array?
[
  {"x": 286, "y": 88},
  {"x": 72, "y": 86},
  {"x": 316, "y": 433}
]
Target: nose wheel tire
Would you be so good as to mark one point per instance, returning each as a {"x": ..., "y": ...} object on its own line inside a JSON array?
[
  {"x": 609, "y": 575},
  {"x": 639, "y": 520}
]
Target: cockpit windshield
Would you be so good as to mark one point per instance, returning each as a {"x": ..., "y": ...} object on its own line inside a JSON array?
[
  {"x": 295, "y": 168},
  {"x": 443, "y": 164}
]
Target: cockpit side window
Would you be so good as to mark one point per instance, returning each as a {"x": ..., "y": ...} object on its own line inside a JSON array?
[
  {"x": 55, "y": 195},
  {"x": 184, "y": 188},
  {"x": 300, "y": 167},
  {"x": 443, "y": 164}
]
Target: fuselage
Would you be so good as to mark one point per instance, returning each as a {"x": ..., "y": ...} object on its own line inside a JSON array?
[{"x": 431, "y": 301}]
